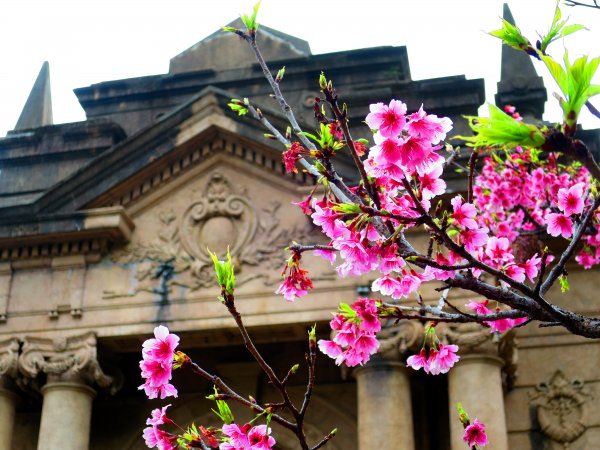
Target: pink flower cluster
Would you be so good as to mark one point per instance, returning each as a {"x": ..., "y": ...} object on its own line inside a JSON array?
[
  {"x": 440, "y": 360},
  {"x": 247, "y": 437},
  {"x": 296, "y": 282},
  {"x": 499, "y": 326},
  {"x": 355, "y": 328},
  {"x": 475, "y": 434},
  {"x": 157, "y": 363},
  {"x": 154, "y": 436},
  {"x": 525, "y": 193}
]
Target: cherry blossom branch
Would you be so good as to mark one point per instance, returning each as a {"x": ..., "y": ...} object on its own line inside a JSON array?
[
  {"x": 557, "y": 141},
  {"x": 459, "y": 249},
  {"x": 558, "y": 269},
  {"x": 591, "y": 108},
  {"x": 325, "y": 440},
  {"x": 427, "y": 312},
  {"x": 341, "y": 118},
  {"x": 291, "y": 118},
  {"x": 278, "y": 384},
  {"x": 230, "y": 393},
  {"x": 576, "y": 3},
  {"x": 307, "y": 248},
  {"x": 472, "y": 163},
  {"x": 339, "y": 189}
]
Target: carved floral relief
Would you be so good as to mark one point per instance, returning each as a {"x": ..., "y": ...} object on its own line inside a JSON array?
[
  {"x": 218, "y": 217},
  {"x": 561, "y": 408}
]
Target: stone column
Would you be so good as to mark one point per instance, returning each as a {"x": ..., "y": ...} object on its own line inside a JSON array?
[
  {"x": 9, "y": 355},
  {"x": 476, "y": 382},
  {"x": 71, "y": 369},
  {"x": 384, "y": 399}
]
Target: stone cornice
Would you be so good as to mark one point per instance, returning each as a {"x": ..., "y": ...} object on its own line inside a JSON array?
[{"x": 83, "y": 233}]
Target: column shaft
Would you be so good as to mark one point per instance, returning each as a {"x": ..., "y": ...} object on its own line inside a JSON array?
[
  {"x": 476, "y": 382},
  {"x": 66, "y": 416},
  {"x": 384, "y": 407},
  {"x": 7, "y": 418}
]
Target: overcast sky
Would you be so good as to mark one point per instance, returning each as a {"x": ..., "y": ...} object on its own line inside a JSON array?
[{"x": 89, "y": 41}]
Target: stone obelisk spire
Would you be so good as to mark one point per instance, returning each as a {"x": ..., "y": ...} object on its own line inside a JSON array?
[{"x": 37, "y": 111}]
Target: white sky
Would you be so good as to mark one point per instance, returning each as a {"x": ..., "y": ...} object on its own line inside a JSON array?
[{"x": 89, "y": 41}]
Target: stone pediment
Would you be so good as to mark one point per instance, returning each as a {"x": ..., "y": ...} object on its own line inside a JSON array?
[
  {"x": 224, "y": 202},
  {"x": 140, "y": 164}
]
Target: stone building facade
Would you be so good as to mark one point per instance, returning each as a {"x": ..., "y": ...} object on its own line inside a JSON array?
[{"x": 103, "y": 229}]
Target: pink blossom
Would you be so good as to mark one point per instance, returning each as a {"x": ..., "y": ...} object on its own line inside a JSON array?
[
  {"x": 354, "y": 341},
  {"x": 156, "y": 363},
  {"x": 516, "y": 272},
  {"x": 159, "y": 417},
  {"x": 291, "y": 155},
  {"x": 474, "y": 239},
  {"x": 479, "y": 308},
  {"x": 497, "y": 249},
  {"x": 559, "y": 224},
  {"x": 304, "y": 205},
  {"x": 162, "y": 347},
  {"x": 155, "y": 437},
  {"x": 475, "y": 434},
  {"x": 260, "y": 439},
  {"x": 428, "y": 126},
  {"x": 585, "y": 259},
  {"x": 389, "y": 120},
  {"x": 441, "y": 361},
  {"x": 570, "y": 201},
  {"x": 464, "y": 213},
  {"x": 419, "y": 361},
  {"x": 431, "y": 183},
  {"x": 366, "y": 311},
  {"x": 532, "y": 267},
  {"x": 328, "y": 255}
]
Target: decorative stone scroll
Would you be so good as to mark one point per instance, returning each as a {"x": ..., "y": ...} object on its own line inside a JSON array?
[
  {"x": 561, "y": 408},
  {"x": 71, "y": 358},
  {"x": 220, "y": 217},
  {"x": 9, "y": 357},
  {"x": 396, "y": 340}
]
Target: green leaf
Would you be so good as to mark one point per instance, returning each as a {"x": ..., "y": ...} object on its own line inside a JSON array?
[
  {"x": 230, "y": 29},
  {"x": 564, "y": 284},
  {"x": 501, "y": 129},
  {"x": 347, "y": 208},
  {"x": 224, "y": 271},
  {"x": 241, "y": 110},
  {"x": 250, "y": 21},
  {"x": 511, "y": 35}
]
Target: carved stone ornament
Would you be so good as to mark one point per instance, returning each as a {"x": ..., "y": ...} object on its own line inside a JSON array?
[
  {"x": 219, "y": 218},
  {"x": 396, "y": 339},
  {"x": 9, "y": 357},
  {"x": 561, "y": 410},
  {"x": 470, "y": 337},
  {"x": 71, "y": 358}
]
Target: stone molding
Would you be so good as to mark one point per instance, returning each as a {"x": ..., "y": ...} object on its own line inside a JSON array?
[
  {"x": 561, "y": 408},
  {"x": 64, "y": 359}
]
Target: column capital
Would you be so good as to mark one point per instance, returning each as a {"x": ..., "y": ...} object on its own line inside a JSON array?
[
  {"x": 64, "y": 359},
  {"x": 475, "y": 342},
  {"x": 397, "y": 339}
]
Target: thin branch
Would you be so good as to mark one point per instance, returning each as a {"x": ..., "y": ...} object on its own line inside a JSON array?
[
  {"x": 472, "y": 163},
  {"x": 428, "y": 312},
  {"x": 236, "y": 397},
  {"x": 587, "y": 5},
  {"x": 591, "y": 108}
]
